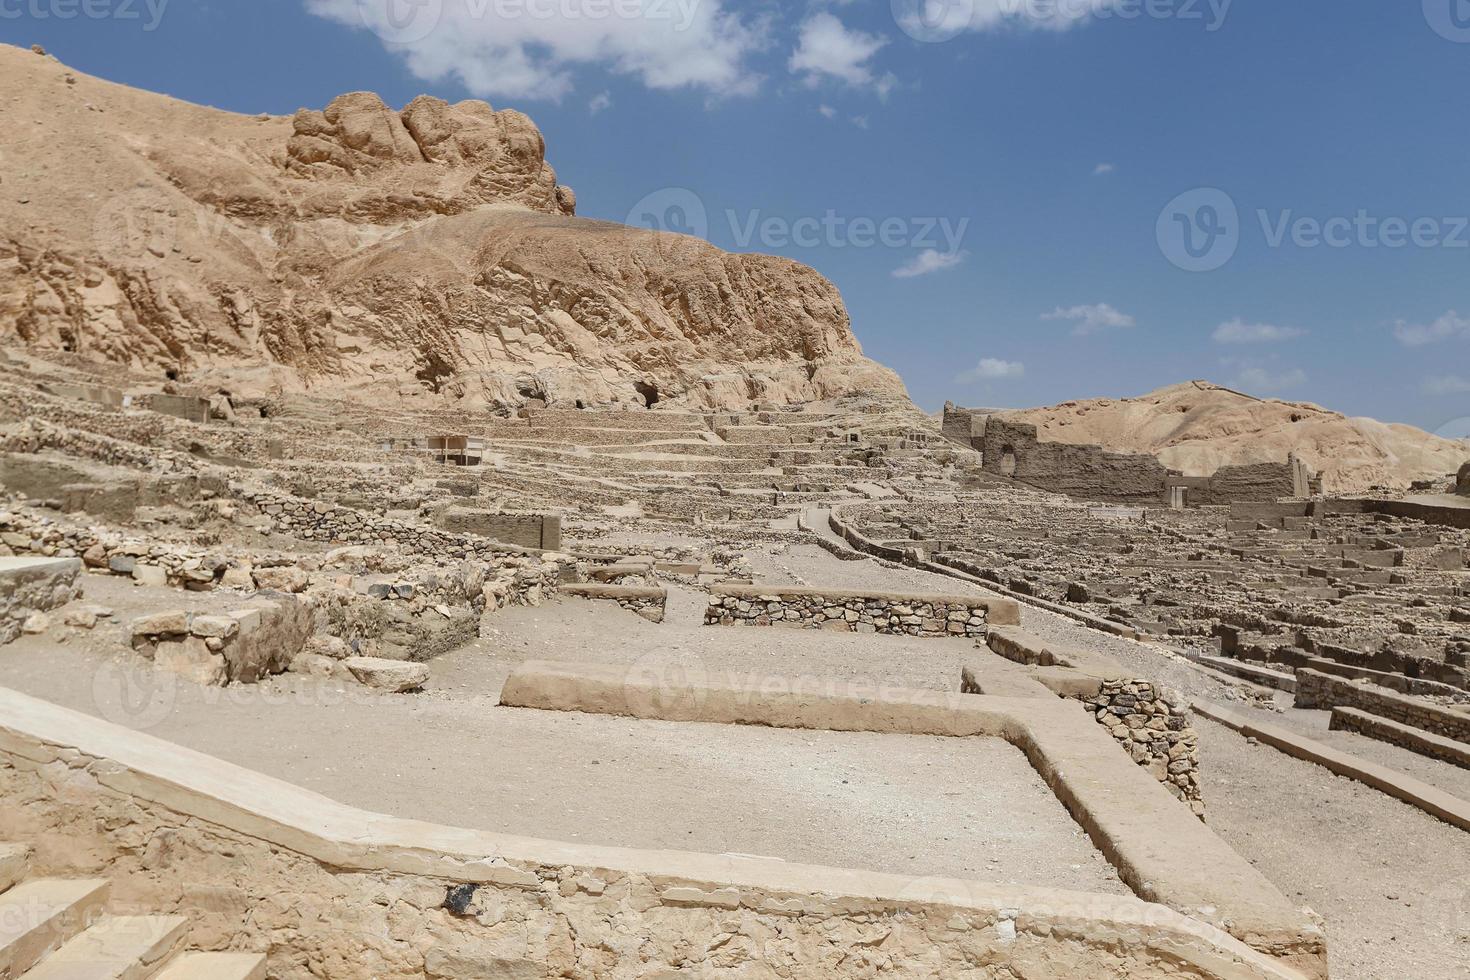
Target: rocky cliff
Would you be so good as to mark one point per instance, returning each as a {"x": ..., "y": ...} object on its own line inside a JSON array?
[{"x": 422, "y": 255}]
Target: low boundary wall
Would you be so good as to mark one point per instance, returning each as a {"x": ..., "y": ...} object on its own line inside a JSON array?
[
  {"x": 1404, "y": 736},
  {"x": 257, "y": 861},
  {"x": 857, "y": 611},
  {"x": 1160, "y": 850},
  {"x": 1315, "y": 689},
  {"x": 648, "y": 601}
]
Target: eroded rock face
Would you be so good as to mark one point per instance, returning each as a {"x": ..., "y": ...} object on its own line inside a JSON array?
[
  {"x": 1462, "y": 481},
  {"x": 427, "y": 255}
]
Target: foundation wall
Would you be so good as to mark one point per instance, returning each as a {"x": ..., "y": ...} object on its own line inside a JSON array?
[
  {"x": 331, "y": 891},
  {"x": 1315, "y": 689},
  {"x": 857, "y": 612}
]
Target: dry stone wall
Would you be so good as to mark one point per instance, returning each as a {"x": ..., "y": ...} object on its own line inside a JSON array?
[
  {"x": 242, "y": 645},
  {"x": 851, "y": 611},
  {"x": 647, "y": 601},
  {"x": 1154, "y": 729},
  {"x": 1315, "y": 689},
  {"x": 30, "y": 586}
]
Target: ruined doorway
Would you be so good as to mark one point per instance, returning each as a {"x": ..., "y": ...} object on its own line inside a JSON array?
[{"x": 1008, "y": 460}]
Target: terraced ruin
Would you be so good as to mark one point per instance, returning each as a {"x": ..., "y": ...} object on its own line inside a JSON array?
[{"x": 270, "y": 615}]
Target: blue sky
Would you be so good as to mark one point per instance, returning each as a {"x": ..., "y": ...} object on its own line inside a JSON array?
[{"x": 1034, "y": 165}]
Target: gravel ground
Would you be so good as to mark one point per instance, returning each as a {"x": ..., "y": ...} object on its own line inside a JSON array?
[{"x": 1392, "y": 882}]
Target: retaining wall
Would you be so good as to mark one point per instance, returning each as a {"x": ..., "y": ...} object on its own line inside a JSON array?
[
  {"x": 1315, "y": 689},
  {"x": 34, "y": 585},
  {"x": 647, "y": 601}
]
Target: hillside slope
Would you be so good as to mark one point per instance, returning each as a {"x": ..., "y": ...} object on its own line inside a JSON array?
[
  {"x": 427, "y": 255},
  {"x": 1197, "y": 427}
]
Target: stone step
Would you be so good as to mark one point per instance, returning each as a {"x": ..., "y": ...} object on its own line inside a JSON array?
[
  {"x": 41, "y": 915},
  {"x": 15, "y": 859},
  {"x": 124, "y": 947},
  {"x": 216, "y": 966}
]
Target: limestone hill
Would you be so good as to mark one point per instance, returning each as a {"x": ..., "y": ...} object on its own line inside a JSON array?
[
  {"x": 1197, "y": 427},
  {"x": 423, "y": 256}
]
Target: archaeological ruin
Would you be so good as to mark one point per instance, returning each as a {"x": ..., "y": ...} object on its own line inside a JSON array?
[{"x": 411, "y": 580}]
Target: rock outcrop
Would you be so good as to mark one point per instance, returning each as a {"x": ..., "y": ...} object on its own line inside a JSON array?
[
  {"x": 1462, "y": 481},
  {"x": 427, "y": 256}
]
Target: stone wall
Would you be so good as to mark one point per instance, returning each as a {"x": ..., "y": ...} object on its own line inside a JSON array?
[
  {"x": 1154, "y": 729},
  {"x": 647, "y": 601},
  {"x": 1315, "y": 689},
  {"x": 315, "y": 520},
  {"x": 853, "y": 611},
  {"x": 329, "y": 891},
  {"x": 243, "y": 645},
  {"x": 29, "y": 586},
  {"x": 1413, "y": 739}
]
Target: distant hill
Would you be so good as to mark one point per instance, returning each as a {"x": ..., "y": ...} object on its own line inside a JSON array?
[{"x": 1197, "y": 427}]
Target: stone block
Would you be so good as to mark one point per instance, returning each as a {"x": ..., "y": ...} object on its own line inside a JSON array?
[{"x": 394, "y": 676}]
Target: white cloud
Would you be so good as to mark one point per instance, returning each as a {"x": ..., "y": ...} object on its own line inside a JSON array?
[
  {"x": 530, "y": 49},
  {"x": 1238, "y": 331},
  {"x": 940, "y": 19},
  {"x": 1418, "y": 334},
  {"x": 1091, "y": 319},
  {"x": 1103, "y": 168},
  {"x": 827, "y": 111},
  {"x": 825, "y": 48},
  {"x": 600, "y": 101},
  {"x": 1259, "y": 380},
  {"x": 927, "y": 262},
  {"x": 861, "y": 122},
  {"x": 1449, "y": 384},
  {"x": 992, "y": 369}
]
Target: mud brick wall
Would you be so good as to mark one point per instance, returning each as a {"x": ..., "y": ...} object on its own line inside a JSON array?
[
  {"x": 933, "y": 616},
  {"x": 542, "y": 531},
  {"x": 1315, "y": 689}
]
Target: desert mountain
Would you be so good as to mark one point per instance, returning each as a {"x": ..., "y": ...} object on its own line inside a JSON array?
[
  {"x": 1197, "y": 427},
  {"x": 423, "y": 255}
]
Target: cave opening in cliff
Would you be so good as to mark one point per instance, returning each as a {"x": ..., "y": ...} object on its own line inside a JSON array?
[{"x": 648, "y": 392}]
